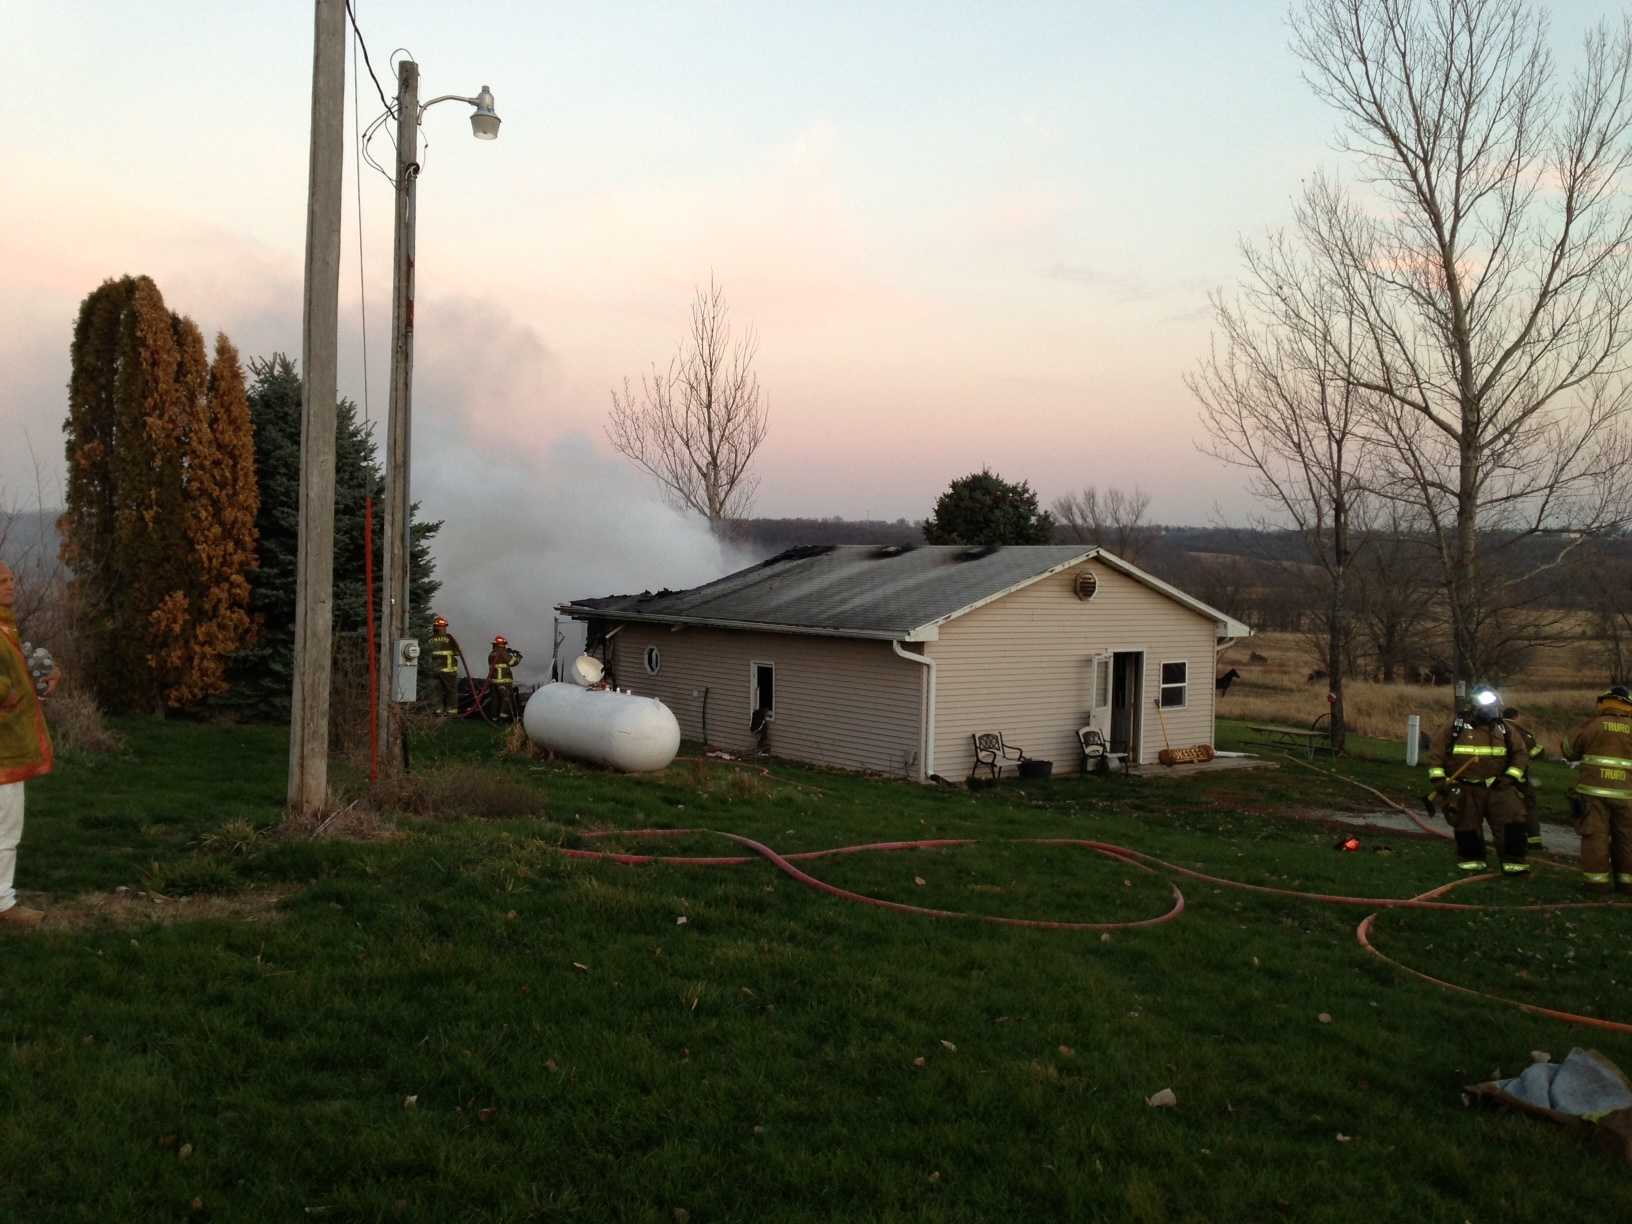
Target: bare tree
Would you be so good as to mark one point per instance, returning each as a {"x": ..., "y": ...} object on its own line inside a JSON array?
[
  {"x": 1114, "y": 519},
  {"x": 1396, "y": 603},
  {"x": 1609, "y": 602},
  {"x": 1488, "y": 263},
  {"x": 27, "y": 545},
  {"x": 696, "y": 426},
  {"x": 1274, "y": 401}
]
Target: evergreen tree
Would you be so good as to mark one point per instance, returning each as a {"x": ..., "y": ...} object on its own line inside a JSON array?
[
  {"x": 984, "y": 509},
  {"x": 206, "y": 617},
  {"x": 263, "y": 674},
  {"x": 93, "y": 438},
  {"x": 159, "y": 521}
]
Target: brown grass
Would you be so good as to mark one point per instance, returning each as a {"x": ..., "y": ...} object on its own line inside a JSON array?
[
  {"x": 138, "y": 908},
  {"x": 1553, "y": 694},
  {"x": 458, "y": 792}
]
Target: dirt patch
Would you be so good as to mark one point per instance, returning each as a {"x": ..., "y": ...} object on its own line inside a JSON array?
[
  {"x": 131, "y": 907},
  {"x": 1217, "y": 765},
  {"x": 355, "y": 822}
]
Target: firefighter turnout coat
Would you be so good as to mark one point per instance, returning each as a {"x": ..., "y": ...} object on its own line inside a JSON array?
[
  {"x": 1478, "y": 754},
  {"x": 1603, "y": 745},
  {"x": 444, "y": 651},
  {"x": 1483, "y": 765}
]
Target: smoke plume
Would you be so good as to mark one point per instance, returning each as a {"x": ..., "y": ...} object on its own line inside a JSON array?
[{"x": 533, "y": 515}]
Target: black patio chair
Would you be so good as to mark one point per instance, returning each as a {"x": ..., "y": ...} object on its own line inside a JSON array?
[{"x": 991, "y": 754}]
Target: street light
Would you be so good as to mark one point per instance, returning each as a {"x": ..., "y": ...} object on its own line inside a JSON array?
[
  {"x": 484, "y": 124},
  {"x": 399, "y": 663}
]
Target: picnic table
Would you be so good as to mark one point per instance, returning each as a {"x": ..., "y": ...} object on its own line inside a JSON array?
[{"x": 1308, "y": 740}]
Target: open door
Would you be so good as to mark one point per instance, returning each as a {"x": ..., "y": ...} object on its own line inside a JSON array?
[
  {"x": 1127, "y": 684},
  {"x": 1099, "y": 695}
]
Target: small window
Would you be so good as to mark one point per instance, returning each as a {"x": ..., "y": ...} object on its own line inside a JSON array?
[
  {"x": 1175, "y": 685},
  {"x": 1102, "y": 682},
  {"x": 654, "y": 660}
]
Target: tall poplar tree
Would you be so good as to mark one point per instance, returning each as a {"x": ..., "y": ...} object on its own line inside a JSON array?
[{"x": 160, "y": 524}]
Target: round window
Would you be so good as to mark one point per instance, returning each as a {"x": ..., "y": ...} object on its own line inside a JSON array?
[{"x": 654, "y": 660}]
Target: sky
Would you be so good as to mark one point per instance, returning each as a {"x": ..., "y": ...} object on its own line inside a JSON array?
[{"x": 966, "y": 235}]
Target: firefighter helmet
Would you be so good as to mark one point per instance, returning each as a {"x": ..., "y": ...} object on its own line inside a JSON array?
[
  {"x": 1487, "y": 704},
  {"x": 1616, "y": 692},
  {"x": 500, "y": 640},
  {"x": 440, "y": 622}
]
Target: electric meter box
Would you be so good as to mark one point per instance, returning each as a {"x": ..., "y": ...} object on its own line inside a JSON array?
[{"x": 407, "y": 672}]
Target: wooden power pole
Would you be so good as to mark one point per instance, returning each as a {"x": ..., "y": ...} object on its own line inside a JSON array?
[
  {"x": 397, "y": 546},
  {"x": 314, "y": 581}
]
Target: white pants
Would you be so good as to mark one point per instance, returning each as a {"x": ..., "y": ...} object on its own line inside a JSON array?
[{"x": 11, "y": 832}]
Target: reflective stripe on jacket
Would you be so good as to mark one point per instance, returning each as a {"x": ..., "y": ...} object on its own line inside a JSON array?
[
  {"x": 1603, "y": 745},
  {"x": 443, "y": 652},
  {"x": 1478, "y": 753},
  {"x": 499, "y": 663}
]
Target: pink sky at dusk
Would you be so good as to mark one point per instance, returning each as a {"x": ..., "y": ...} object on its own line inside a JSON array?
[{"x": 964, "y": 236}]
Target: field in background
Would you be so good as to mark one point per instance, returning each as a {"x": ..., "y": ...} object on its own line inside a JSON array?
[{"x": 1554, "y": 691}]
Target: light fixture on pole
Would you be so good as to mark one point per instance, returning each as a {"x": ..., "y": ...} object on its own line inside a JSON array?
[
  {"x": 399, "y": 651},
  {"x": 484, "y": 124}
]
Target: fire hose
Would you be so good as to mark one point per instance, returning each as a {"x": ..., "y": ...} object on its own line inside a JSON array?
[{"x": 1134, "y": 858}]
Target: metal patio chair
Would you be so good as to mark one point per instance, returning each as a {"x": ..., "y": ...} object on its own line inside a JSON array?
[{"x": 992, "y": 754}]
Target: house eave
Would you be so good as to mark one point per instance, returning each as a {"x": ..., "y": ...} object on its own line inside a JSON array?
[{"x": 924, "y": 634}]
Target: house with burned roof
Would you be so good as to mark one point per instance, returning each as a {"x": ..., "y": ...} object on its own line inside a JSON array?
[{"x": 889, "y": 659}]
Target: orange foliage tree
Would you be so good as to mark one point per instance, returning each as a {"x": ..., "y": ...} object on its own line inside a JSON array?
[{"x": 160, "y": 524}]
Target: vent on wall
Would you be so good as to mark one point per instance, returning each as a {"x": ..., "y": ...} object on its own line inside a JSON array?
[{"x": 1085, "y": 585}]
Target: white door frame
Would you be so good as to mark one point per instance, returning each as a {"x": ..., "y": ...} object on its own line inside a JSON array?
[
  {"x": 1140, "y": 721},
  {"x": 753, "y": 685}
]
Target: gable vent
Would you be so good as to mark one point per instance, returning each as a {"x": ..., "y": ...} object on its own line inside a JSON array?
[{"x": 1085, "y": 585}]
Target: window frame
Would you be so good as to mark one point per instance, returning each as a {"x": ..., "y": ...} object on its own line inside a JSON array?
[{"x": 1162, "y": 684}]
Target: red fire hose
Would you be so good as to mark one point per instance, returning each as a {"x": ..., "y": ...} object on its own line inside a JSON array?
[{"x": 1133, "y": 858}]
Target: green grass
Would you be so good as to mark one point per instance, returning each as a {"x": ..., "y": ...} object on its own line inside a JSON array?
[{"x": 758, "y": 1061}]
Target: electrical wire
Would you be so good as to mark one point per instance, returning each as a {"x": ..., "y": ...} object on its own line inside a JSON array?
[
  {"x": 357, "y": 174},
  {"x": 384, "y": 101}
]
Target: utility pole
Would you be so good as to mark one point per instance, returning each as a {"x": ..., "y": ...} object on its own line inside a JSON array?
[
  {"x": 394, "y": 577},
  {"x": 314, "y": 580}
]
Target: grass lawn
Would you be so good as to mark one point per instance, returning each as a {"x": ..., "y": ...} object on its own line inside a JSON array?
[{"x": 453, "y": 1022}]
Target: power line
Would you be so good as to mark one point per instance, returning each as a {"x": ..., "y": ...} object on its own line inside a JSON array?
[
  {"x": 384, "y": 101},
  {"x": 357, "y": 174}
]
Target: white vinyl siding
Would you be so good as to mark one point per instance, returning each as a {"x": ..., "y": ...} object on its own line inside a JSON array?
[
  {"x": 839, "y": 702},
  {"x": 1025, "y": 665}
]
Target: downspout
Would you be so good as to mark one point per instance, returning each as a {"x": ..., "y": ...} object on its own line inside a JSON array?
[{"x": 928, "y": 664}]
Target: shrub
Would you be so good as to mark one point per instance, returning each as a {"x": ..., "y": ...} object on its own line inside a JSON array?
[{"x": 77, "y": 725}]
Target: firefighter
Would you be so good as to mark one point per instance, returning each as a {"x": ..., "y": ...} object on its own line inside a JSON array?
[
  {"x": 444, "y": 662},
  {"x": 1527, "y": 788},
  {"x": 1602, "y": 799},
  {"x": 1477, "y": 765},
  {"x": 500, "y": 680}
]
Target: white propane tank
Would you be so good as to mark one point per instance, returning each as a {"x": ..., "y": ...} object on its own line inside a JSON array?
[{"x": 634, "y": 734}]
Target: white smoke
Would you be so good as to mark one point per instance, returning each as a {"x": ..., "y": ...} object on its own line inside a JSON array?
[{"x": 533, "y": 515}]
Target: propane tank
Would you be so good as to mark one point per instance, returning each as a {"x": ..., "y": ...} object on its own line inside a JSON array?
[{"x": 634, "y": 734}]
